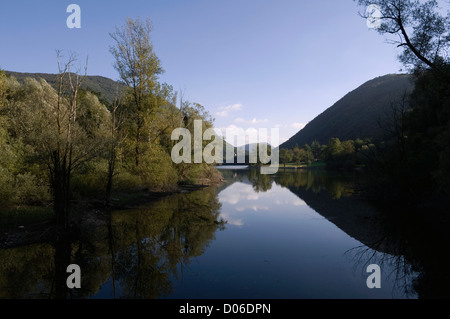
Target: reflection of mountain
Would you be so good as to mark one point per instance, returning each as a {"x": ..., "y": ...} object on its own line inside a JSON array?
[
  {"x": 327, "y": 193},
  {"x": 398, "y": 237},
  {"x": 331, "y": 197},
  {"x": 404, "y": 237}
]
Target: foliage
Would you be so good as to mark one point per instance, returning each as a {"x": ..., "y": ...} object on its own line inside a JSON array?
[
  {"x": 336, "y": 154},
  {"x": 104, "y": 88},
  {"x": 139, "y": 251},
  {"x": 62, "y": 138},
  {"x": 419, "y": 28}
]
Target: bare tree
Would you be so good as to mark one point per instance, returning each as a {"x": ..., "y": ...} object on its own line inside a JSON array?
[{"x": 62, "y": 158}]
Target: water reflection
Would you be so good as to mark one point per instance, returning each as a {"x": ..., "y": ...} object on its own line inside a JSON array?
[
  {"x": 282, "y": 233},
  {"x": 149, "y": 246},
  {"x": 415, "y": 250},
  {"x": 135, "y": 254},
  {"x": 400, "y": 240}
]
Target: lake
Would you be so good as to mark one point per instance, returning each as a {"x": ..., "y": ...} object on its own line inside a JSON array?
[{"x": 298, "y": 234}]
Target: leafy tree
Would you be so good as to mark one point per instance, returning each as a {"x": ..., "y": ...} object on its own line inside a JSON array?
[
  {"x": 286, "y": 156},
  {"x": 334, "y": 148},
  {"x": 62, "y": 129},
  {"x": 297, "y": 155},
  {"x": 420, "y": 29},
  {"x": 316, "y": 149},
  {"x": 307, "y": 154},
  {"x": 348, "y": 148},
  {"x": 195, "y": 173},
  {"x": 138, "y": 67},
  {"x": 340, "y": 155}
]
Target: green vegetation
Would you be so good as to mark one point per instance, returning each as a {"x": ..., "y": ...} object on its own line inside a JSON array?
[
  {"x": 139, "y": 250},
  {"x": 62, "y": 142},
  {"x": 334, "y": 155},
  {"x": 105, "y": 89}
]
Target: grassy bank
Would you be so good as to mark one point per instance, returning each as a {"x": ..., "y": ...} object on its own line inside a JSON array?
[{"x": 303, "y": 166}]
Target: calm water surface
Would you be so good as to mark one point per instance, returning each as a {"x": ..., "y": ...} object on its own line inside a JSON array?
[{"x": 296, "y": 234}]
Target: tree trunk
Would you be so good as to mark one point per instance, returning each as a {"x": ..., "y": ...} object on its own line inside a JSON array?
[
  {"x": 111, "y": 168},
  {"x": 61, "y": 198}
]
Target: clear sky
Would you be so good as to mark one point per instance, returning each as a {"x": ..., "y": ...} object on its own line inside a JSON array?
[{"x": 251, "y": 63}]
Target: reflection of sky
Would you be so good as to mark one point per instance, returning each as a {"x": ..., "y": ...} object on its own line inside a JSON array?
[
  {"x": 275, "y": 246},
  {"x": 240, "y": 202}
]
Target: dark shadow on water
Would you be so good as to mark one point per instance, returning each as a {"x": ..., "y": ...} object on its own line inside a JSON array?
[
  {"x": 419, "y": 253},
  {"x": 139, "y": 253},
  {"x": 413, "y": 244}
]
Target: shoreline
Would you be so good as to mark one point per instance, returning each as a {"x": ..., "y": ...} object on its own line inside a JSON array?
[{"x": 86, "y": 214}]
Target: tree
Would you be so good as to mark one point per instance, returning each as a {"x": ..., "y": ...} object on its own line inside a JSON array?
[
  {"x": 419, "y": 28},
  {"x": 348, "y": 148},
  {"x": 307, "y": 156},
  {"x": 116, "y": 140},
  {"x": 62, "y": 130},
  {"x": 2, "y": 87},
  {"x": 334, "y": 148},
  {"x": 316, "y": 149},
  {"x": 138, "y": 67},
  {"x": 416, "y": 159},
  {"x": 297, "y": 155},
  {"x": 64, "y": 152},
  {"x": 286, "y": 156}
]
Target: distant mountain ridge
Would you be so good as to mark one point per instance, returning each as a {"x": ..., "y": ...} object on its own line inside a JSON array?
[
  {"x": 105, "y": 87},
  {"x": 356, "y": 115}
]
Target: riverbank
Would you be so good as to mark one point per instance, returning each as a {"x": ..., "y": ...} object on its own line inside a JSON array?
[{"x": 21, "y": 226}]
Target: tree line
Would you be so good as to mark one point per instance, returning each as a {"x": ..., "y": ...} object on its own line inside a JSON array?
[
  {"x": 62, "y": 143},
  {"x": 336, "y": 155}
]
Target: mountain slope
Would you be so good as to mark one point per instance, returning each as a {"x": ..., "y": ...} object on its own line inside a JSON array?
[
  {"x": 357, "y": 114},
  {"x": 105, "y": 87}
]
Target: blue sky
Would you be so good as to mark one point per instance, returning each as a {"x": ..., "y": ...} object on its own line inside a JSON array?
[{"x": 251, "y": 63}]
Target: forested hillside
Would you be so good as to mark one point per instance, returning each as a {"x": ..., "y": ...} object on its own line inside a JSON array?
[
  {"x": 104, "y": 88},
  {"x": 358, "y": 114}
]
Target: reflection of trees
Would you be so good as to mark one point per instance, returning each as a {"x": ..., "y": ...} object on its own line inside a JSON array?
[
  {"x": 402, "y": 274},
  {"x": 26, "y": 272},
  {"x": 335, "y": 184},
  {"x": 317, "y": 181},
  {"x": 414, "y": 249},
  {"x": 150, "y": 243},
  {"x": 137, "y": 251},
  {"x": 260, "y": 183}
]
